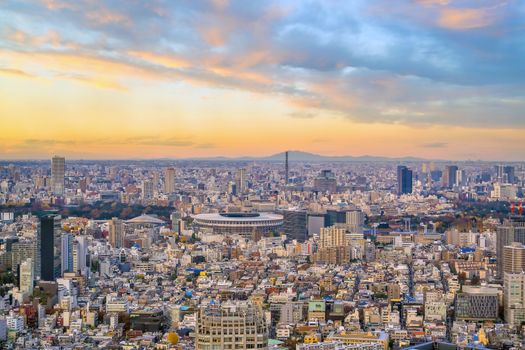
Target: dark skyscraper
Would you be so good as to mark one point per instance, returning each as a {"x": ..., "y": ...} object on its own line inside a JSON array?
[
  {"x": 449, "y": 176},
  {"x": 404, "y": 180},
  {"x": 286, "y": 168},
  {"x": 50, "y": 247},
  {"x": 295, "y": 224}
]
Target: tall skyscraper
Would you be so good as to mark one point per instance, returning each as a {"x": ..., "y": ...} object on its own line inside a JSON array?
[
  {"x": 355, "y": 220},
  {"x": 116, "y": 233},
  {"x": 514, "y": 298},
  {"x": 58, "y": 171},
  {"x": 505, "y": 173},
  {"x": 80, "y": 255},
  {"x": 404, "y": 180},
  {"x": 147, "y": 189},
  {"x": 286, "y": 168},
  {"x": 169, "y": 180},
  {"x": 27, "y": 277},
  {"x": 512, "y": 230},
  {"x": 50, "y": 247},
  {"x": 241, "y": 181},
  {"x": 295, "y": 224},
  {"x": 514, "y": 258},
  {"x": 67, "y": 252},
  {"x": 449, "y": 176}
]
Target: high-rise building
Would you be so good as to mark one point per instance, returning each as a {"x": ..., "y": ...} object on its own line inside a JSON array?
[
  {"x": 315, "y": 222},
  {"x": 505, "y": 173},
  {"x": 240, "y": 181},
  {"x": 80, "y": 255},
  {"x": 231, "y": 325},
  {"x": 449, "y": 176},
  {"x": 169, "y": 180},
  {"x": 116, "y": 233},
  {"x": 50, "y": 247},
  {"x": 477, "y": 304},
  {"x": 512, "y": 230},
  {"x": 355, "y": 220},
  {"x": 286, "y": 168},
  {"x": 514, "y": 258},
  {"x": 404, "y": 180},
  {"x": 332, "y": 237},
  {"x": 26, "y": 249},
  {"x": 27, "y": 277},
  {"x": 295, "y": 224},
  {"x": 67, "y": 252},
  {"x": 58, "y": 171},
  {"x": 147, "y": 189},
  {"x": 514, "y": 298},
  {"x": 325, "y": 182}
]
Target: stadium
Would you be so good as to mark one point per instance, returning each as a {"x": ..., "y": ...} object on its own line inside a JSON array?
[{"x": 250, "y": 225}]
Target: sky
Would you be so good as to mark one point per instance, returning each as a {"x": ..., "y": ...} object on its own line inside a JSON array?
[{"x": 438, "y": 79}]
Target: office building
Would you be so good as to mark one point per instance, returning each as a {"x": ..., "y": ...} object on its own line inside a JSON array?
[
  {"x": 27, "y": 277},
  {"x": 505, "y": 173},
  {"x": 58, "y": 171},
  {"x": 325, "y": 182},
  {"x": 240, "y": 181},
  {"x": 50, "y": 247},
  {"x": 169, "y": 180},
  {"x": 404, "y": 180},
  {"x": 286, "y": 169},
  {"x": 477, "y": 304},
  {"x": 295, "y": 224},
  {"x": 315, "y": 223},
  {"x": 147, "y": 189},
  {"x": 514, "y": 258},
  {"x": 231, "y": 325},
  {"x": 512, "y": 230},
  {"x": 355, "y": 220},
  {"x": 514, "y": 298},
  {"x": 449, "y": 176},
  {"x": 22, "y": 250},
  {"x": 80, "y": 255},
  {"x": 67, "y": 252},
  {"x": 116, "y": 233},
  {"x": 332, "y": 237}
]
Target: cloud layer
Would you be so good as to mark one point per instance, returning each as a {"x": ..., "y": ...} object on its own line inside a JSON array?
[{"x": 420, "y": 62}]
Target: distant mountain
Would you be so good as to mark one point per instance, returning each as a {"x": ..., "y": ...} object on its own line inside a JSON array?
[{"x": 300, "y": 156}]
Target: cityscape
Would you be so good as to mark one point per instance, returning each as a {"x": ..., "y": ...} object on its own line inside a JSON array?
[
  {"x": 261, "y": 254},
  {"x": 263, "y": 174}
]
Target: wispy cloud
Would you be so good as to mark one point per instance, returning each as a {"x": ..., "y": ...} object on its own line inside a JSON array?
[
  {"x": 422, "y": 62},
  {"x": 435, "y": 145}
]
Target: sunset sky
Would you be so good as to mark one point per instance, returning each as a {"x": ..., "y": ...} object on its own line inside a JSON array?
[{"x": 439, "y": 79}]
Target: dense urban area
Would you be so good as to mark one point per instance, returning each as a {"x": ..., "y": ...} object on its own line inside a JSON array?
[{"x": 253, "y": 254}]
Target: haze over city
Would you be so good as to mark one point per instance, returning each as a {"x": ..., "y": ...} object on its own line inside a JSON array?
[{"x": 435, "y": 79}]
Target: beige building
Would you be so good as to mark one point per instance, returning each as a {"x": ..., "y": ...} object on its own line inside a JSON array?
[
  {"x": 231, "y": 325},
  {"x": 514, "y": 298},
  {"x": 332, "y": 237},
  {"x": 514, "y": 258}
]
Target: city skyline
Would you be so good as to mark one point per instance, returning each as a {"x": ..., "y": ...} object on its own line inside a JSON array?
[{"x": 434, "y": 79}]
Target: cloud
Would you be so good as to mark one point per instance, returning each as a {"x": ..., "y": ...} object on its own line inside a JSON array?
[
  {"x": 423, "y": 62},
  {"x": 467, "y": 18},
  {"x": 15, "y": 72},
  {"x": 435, "y": 145},
  {"x": 302, "y": 115}
]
